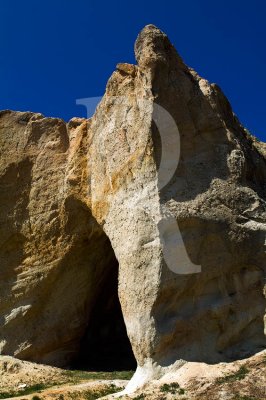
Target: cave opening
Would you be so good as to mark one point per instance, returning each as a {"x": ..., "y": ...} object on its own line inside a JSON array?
[{"x": 104, "y": 345}]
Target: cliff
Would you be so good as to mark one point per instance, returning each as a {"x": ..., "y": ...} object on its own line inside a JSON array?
[{"x": 159, "y": 196}]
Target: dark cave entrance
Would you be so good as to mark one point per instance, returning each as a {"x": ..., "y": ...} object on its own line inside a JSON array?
[{"x": 105, "y": 345}]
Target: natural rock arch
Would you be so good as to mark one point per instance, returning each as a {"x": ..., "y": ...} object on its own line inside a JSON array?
[{"x": 88, "y": 182}]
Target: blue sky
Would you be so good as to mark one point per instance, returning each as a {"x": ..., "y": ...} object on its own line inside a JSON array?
[{"x": 54, "y": 52}]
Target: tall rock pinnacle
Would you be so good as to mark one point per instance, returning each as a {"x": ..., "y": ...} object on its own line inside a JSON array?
[{"x": 78, "y": 199}]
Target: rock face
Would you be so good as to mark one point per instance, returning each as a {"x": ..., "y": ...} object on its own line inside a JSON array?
[{"x": 164, "y": 180}]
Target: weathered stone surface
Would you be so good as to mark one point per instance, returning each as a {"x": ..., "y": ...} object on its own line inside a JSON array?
[
  {"x": 51, "y": 266},
  {"x": 63, "y": 186}
]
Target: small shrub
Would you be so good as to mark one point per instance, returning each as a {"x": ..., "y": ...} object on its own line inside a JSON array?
[
  {"x": 237, "y": 376},
  {"x": 93, "y": 395},
  {"x": 170, "y": 388},
  {"x": 5, "y": 395}
]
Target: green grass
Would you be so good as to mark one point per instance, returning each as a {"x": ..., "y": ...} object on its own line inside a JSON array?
[
  {"x": 237, "y": 376},
  {"x": 27, "y": 390},
  {"x": 140, "y": 397},
  {"x": 89, "y": 395},
  {"x": 172, "y": 388},
  {"x": 77, "y": 376},
  {"x": 74, "y": 377}
]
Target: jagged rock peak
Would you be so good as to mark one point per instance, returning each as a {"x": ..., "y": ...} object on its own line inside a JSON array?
[{"x": 153, "y": 46}]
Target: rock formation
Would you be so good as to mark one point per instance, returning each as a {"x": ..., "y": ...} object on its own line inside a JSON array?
[{"x": 162, "y": 180}]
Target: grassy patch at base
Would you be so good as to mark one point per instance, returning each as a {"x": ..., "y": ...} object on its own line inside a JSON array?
[
  {"x": 73, "y": 377},
  {"x": 77, "y": 376},
  {"x": 27, "y": 390},
  {"x": 89, "y": 394}
]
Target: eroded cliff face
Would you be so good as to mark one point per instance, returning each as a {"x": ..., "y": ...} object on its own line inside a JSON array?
[
  {"x": 187, "y": 230},
  {"x": 55, "y": 258}
]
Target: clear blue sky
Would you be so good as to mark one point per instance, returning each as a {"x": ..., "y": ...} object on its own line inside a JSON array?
[{"x": 53, "y": 52}]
